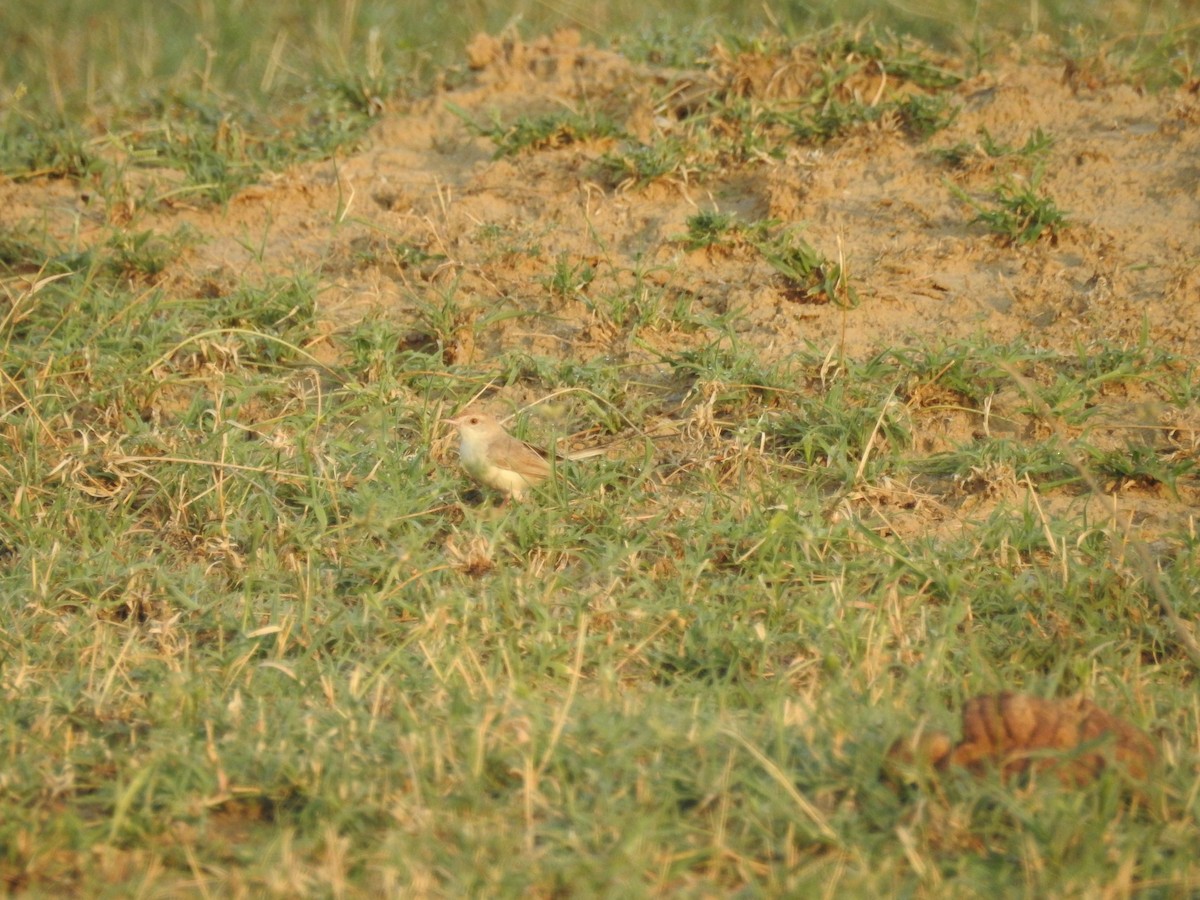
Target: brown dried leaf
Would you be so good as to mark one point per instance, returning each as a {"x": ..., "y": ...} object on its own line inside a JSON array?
[{"x": 1072, "y": 738}]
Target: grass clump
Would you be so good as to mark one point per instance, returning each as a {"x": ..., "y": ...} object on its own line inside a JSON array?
[
  {"x": 807, "y": 274},
  {"x": 990, "y": 148},
  {"x": 708, "y": 228},
  {"x": 637, "y": 165},
  {"x": 33, "y": 148},
  {"x": 550, "y": 131},
  {"x": 1017, "y": 212}
]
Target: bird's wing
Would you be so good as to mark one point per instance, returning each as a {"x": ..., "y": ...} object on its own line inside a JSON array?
[{"x": 520, "y": 457}]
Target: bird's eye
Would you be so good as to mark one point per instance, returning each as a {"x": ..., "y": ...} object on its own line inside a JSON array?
[{"x": 474, "y": 420}]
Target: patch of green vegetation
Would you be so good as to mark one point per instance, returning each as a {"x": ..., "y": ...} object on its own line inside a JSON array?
[
  {"x": 835, "y": 430},
  {"x": 32, "y": 147},
  {"x": 387, "y": 250},
  {"x": 832, "y": 119},
  {"x": 550, "y": 131},
  {"x": 509, "y": 241},
  {"x": 568, "y": 277},
  {"x": 988, "y": 147},
  {"x": 144, "y": 254},
  {"x": 221, "y": 151},
  {"x": 218, "y": 150},
  {"x": 901, "y": 58},
  {"x": 1018, "y": 212},
  {"x": 1162, "y": 56},
  {"x": 919, "y": 116},
  {"x": 22, "y": 249},
  {"x": 1041, "y": 462},
  {"x": 1143, "y": 466},
  {"x": 833, "y": 104},
  {"x": 806, "y": 272},
  {"x": 124, "y": 253},
  {"x": 706, "y": 228},
  {"x": 923, "y": 116},
  {"x": 674, "y": 48},
  {"x": 712, "y": 228},
  {"x": 638, "y": 165}
]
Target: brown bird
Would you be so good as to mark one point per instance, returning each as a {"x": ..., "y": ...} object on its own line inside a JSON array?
[{"x": 495, "y": 458}]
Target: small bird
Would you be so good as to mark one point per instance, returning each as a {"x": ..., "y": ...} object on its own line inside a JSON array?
[{"x": 495, "y": 458}]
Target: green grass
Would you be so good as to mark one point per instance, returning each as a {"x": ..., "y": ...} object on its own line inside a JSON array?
[
  {"x": 257, "y": 638},
  {"x": 254, "y": 638},
  {"x": 806, "y": 275},
  {"x": 1017, "y": 211},
  {"x": 545, "y": 132},
  {"x": 961, "y": 155}
]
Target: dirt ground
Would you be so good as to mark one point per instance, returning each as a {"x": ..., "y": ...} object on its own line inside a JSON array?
[
  {"x": 427, "y": 209},
  {"x": 1123, "y": 166}
]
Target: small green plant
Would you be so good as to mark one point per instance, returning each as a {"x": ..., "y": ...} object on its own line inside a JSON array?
[
  {"x": 710, "y": 227},
  {"x": 922, "y": 115},
  {"x": 145, "y": 254},
  {"x": 379, "y": 251},
  {"x": 832, "y": 119},
  {"x": 545, "y": 132},
  {"x": 680, "y": 48},
  {"x": 919, "y": 115},
  {"x": 638, "y": 165},
  {"x": 507, "y": 241},
  {"x": 1018, "y": 213},
  {"x": 31, "y": 148},
  {"x": 366, "y": 78},
  {"x": 636, "y": 309},
  {"x": 569, "y": 277},
  {"x": 987, "y": 147},
  {"x": 707, "y": 228},
  {"x": 808, "y": 275},
  {"x": 21, "y": 250},
  {"x": 490, "y": 233},
  {"x": 1035, "y": 145},
  {"x": 1140, "y": 464},
  {"x": 903, "y": 60}
]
